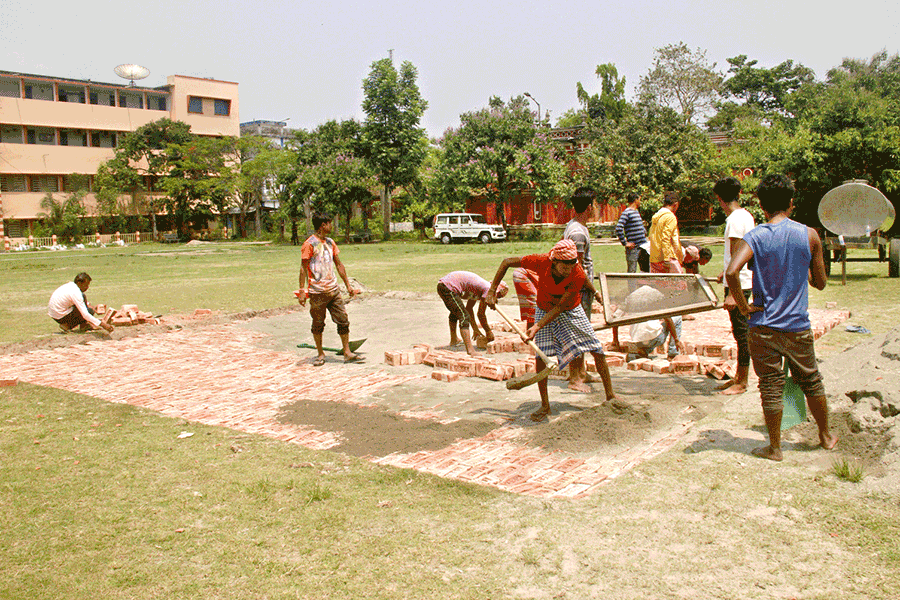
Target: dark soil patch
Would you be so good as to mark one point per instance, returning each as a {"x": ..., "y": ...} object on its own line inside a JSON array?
[
  {"x": 610, "y": 425},
  {"x": 373, "y": 431}
]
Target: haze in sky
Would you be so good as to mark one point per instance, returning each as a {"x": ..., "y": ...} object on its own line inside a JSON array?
[{"x": 305, "y": 61}]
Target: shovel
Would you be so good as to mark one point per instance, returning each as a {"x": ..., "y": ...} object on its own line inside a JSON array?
[
  {"x": 354, "y": 346},
  {"x": 517, "y": 383}
]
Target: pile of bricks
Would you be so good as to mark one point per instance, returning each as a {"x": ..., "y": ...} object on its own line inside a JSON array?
[
  {"x": 709, "y": 350},
  {"x": 450, "y": 366},
  {"x": 125, "y": 316}
]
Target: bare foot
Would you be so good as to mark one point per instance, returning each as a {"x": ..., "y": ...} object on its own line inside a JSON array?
[
  {"x": 733, "y": 389},
  {"x": 540, "y": 414},
  {"x": 768, "y": 452},
  {"x": 588, "y": 378},
  {"x": 725, "y": 385},
  {"x": 579, "y": 386},
  {"x": 352, "y": 358},
  {"x": 828, "y": 441}
]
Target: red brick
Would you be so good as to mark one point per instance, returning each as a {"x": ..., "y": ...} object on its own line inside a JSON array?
[
  {"x": 393, "y": 358},
  {"x": 661, "y": 366},
  {"x": 8, "y": 381},
  {"x": 615, "y": 360},
  {"x": 637, "y": 364},
  {"x": 442, "y": 375},
  {"x": 714, "y": 350},
  {"x": 197, "y": 313},
  {"x": 466, "y": 367},
  {"x": 491, "y": 371}
]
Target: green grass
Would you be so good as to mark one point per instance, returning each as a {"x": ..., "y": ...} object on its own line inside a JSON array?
[
  {"x": 848, "y": 470},
  {"x": 104, "y": 500}
]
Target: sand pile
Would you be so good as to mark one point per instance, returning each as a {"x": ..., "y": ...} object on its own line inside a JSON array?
[{"x": 869, "y": 376}]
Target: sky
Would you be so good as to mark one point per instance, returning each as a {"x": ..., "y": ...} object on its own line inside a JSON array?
[{"x": 305, "y": 61}]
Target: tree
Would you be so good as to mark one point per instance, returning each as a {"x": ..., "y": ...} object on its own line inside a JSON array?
[
  {"x": 329, "y": 172},
  {"x": 393, "y": 107},
  {"x": 770, "y": 94},
  {"x": 681, "y": 79},
  {"x": 850, "y": 129},
  {"x": 651, "y": 151},
  {"x": 142, "y": 158},
  {"x": 610, "y": 103},
  {"x": 498, "y": 152},
  {"x": 259, "y": 165},
  {"x": 201, "y": 180},
  {"x": 64, "y": 216}
]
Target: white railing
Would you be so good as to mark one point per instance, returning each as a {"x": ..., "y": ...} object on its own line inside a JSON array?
[{"x": 103, "y": 238}]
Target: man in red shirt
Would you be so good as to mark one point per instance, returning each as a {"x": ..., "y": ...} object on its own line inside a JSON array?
[{"x": 561, "y": 327}]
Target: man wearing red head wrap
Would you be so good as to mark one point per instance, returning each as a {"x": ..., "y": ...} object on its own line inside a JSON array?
[{"x": 561, "y": 327}]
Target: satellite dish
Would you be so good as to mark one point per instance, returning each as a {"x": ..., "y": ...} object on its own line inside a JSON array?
[
  {"x": 856, "y": 209},
  {"x": 132, "y": 72}
]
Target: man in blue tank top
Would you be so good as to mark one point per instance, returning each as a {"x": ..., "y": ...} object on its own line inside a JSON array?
[{"x": 785, "y": 256}]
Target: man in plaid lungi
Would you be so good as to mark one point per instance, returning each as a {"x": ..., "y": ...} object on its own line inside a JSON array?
[{"x": 561, "y": 327}]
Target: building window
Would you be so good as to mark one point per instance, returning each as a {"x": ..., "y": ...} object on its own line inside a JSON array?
[
  {"x": 44, "y": 136},
  {"x": 44, "y": 183},
  {"x": 13, "y": 183},
  {"x": 195, "y": 105},
  {"x": 157, "y": 103},
  {"x": 9, "y": 88},
  {"x": 75, "y": 183},
  {"x": 11, "y": 134},
  {"x": 223, "y": 107}
]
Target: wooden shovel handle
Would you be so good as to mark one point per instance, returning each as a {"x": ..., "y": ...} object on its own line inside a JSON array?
[{"x": 524, "y": 337}]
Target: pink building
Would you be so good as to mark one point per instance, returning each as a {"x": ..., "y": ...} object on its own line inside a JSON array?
[{"x": 53, "y": 127}]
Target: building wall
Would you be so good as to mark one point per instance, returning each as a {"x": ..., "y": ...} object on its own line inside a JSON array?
[{"x": 61, "y": 110}]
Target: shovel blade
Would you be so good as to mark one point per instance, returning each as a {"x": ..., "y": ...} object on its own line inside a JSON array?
[{"x": 517, "y": 383}]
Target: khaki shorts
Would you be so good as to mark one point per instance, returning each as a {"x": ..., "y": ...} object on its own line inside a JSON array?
[
  {"x": 332, "y": 302},
  {"x": 768, "y": 349}
]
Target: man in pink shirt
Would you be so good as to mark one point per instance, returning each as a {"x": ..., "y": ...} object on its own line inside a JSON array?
[{"x": 463, "y": 286}]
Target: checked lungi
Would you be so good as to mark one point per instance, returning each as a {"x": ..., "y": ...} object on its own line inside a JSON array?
[{"x": 568, "y": 335}]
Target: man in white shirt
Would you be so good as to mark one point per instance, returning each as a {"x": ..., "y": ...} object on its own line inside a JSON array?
[
  {"x": 647, "y": 335},
  {"x": 738, "y": 221},
  {"x": 68, "y": 306}
]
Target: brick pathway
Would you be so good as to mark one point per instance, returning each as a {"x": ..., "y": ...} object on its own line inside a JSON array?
[{"x": 218, "y": 375}]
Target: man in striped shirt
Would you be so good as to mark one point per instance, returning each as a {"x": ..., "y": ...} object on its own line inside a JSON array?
[{"x": 631, "y": 233}]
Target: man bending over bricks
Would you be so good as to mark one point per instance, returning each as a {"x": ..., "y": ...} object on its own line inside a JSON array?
[
  {"x": 786, "y": 255},
  {"x": 562, "y": 328},
  {"x": 68, "y": 306},
  {"x": 319, "y": 254},
  {"x": 462, "y": 286}
]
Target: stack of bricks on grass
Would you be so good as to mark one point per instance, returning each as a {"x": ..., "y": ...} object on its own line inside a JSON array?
[{"x": 125, "y": 316}]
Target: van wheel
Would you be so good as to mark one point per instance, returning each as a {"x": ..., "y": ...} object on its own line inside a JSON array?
[
  {"x": 485, "y": 237},
  {"x": 445, "y": 238}
]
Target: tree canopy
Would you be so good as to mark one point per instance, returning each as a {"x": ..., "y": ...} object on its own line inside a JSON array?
[
  {"x": 682, "y": 79},
  {"x": 392, "y": 134},
  {"x": 498, "y": 152}
]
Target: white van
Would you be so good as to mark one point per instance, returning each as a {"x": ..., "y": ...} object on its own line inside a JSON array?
[{"x": 450, "y": 227}]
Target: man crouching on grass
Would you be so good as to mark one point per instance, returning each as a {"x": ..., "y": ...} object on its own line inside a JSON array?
[
  {"x": 786, "y": 255},
  {"x": 561, "y": 327}
]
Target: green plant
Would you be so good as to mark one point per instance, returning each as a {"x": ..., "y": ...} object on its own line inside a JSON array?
[{"x": 848, "y": 470}]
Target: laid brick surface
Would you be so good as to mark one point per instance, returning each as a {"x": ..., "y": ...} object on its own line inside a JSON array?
[{"x": 218, "y": 375}]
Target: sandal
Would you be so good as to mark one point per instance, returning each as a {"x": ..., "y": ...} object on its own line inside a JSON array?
[{"x": 320, "y": 360}]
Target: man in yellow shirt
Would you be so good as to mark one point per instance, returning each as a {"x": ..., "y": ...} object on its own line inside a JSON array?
[{"x": 666, "y": 254}]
